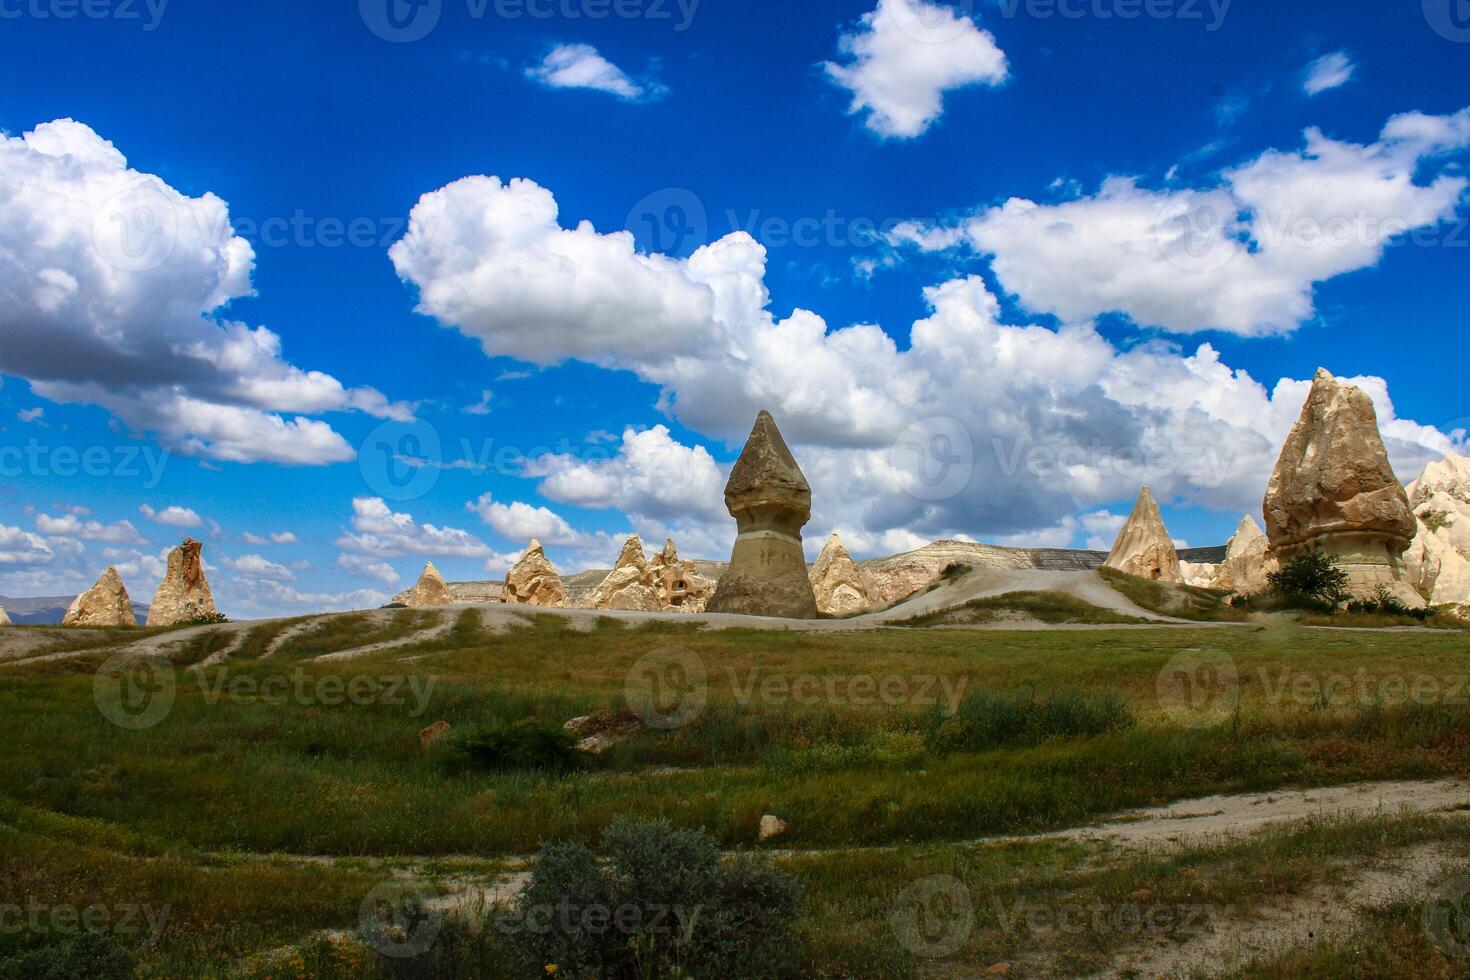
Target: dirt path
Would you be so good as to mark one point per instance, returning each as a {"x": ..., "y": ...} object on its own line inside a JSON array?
[
  {"x": 1326, "y": 913},
  {"x": 1218, "y": 818},
  {"x": 441, "y": 626}
]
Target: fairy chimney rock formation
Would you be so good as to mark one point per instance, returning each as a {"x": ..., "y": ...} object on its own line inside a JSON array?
[
  {"x": 104, "y": 604},
  {"x": 1144, "y": 547},
  {"x": 1438, "y": 560},
  {"x": 630, "y": 585},
  {"x": 771, "y": 502},
  {"x": 678, "y": 585},
  {"x": 183, "y": 596},
  {"x": 5, "y": 618},
  {"x": 533, "y": 581},
  {"x": 429, "y": 590},
  {"x": 839, "y": 587},
  {"x": 1334, "y": 491},
  {"x": 1248, "y": 560}
]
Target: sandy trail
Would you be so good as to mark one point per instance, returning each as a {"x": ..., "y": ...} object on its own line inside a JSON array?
[{"x": 442, "y": 625}]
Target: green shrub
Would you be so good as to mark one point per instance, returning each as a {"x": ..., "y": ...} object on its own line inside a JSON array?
[
  {"x": 660, "y": 904},
  {"x": 85, "y": 956},
  {"x": 1310, "y": 581},
  {"x": 1385, "y": 603},
  {"x": 990, "y": 719},
  {"x": 523, "y": 746},
  {"x": 209, "y": 619}
]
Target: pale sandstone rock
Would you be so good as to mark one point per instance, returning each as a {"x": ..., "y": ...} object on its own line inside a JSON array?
[
  {"x": 679, "y": 586},
  {"x": 889, "y": 580},
  {"x": 107, "y": 603},
  {"x": 770, "y": 500},
  {"x": 1334, "y": 491},
  {"x": 533, "y": 581},
  {"x": 772, "y": 826},
  {"x": 1437, "y": 562},
  {"x": 5, "y": 618},
  {"x": 1248, "y": 560},
  {"x": 1144, "y": 547},
  {"x": 839, "y": 588},
  {"x": 630, "y": 585},
  {"x": 1201, "y": 574},
  {"x": 183, "y": 595},
  {"x": 104, "y": 604},
  {"x": 430, "y": 590}
]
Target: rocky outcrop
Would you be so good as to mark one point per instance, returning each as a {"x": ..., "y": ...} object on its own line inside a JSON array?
[
  {"x": 1143, "y": 547},
  {"x": 4, "y": 619},
  {"x": 892, "y": 579},
  {"x": 429, "y": 590},
  {"x": 839, "y": 588},
  {"x": 183, "y": 596},
  {"x": 1200, "y": 574},
  {"x": 771, "y": 501},
  {"x": 1437, "y": 562},
  {"x": 1334, "y": 491},
  {"x": 630, "y": 585},
  {"x": 533, "y": 581},
  {"x": 1248, "y": 560},
  {"x": 104, "y": 604},
  {"x": 679, "y": 585}
]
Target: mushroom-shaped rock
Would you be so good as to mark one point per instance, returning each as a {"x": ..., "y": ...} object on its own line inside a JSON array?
[
  {"x": 770, "y": 500},
  {"x": 183, "y": 596},
  {"x": 429, "y": 590},
  {"x": 533, "y": 581},
  {"x": 679, "y": 585},
  {"x": 1248, "y": 560},
  {"x": 630, "y": 585},
  {"x": 1144, "y": 547},
  {"x": 104, "y": 604},
  {"x": 1334, "y": 491},
  {"x": 838, "y": 585}
]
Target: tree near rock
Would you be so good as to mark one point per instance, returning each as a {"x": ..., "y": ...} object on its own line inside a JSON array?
[{"x": 1334, "y": 491}]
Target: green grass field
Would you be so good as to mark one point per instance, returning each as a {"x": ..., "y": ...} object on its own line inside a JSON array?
[{"x": 272, "y": 795}]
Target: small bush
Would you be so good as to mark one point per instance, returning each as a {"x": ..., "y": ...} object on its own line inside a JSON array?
[
  {"x": 1310, "y": 581},
  {"x": 659, "y": 904},
  {"x": 1384, "y": 603},
  {"x": 86, "y": 956},
  {"x": 523, "y": 746},
  {"x": 209, "y": 619},
  {"x": 990, "y": 719}
]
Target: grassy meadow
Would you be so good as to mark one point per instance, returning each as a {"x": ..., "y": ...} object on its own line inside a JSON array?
[{"x": 277, "y": 791}]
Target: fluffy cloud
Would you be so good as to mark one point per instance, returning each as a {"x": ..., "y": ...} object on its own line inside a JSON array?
[
  {"x": 361, "y": 567},
  {"x": 380, "y": 533},
  {"x": 522, "y": 522},
  {"x": 173, "y": 516},
  {"x": 581, "y": 66},
  {"x": 1328, "y": 72},
  {"x": 904, "y": 56},
  {"x": 22, "y": 549},
  {"x": 110, "y": 280},
  {"x": 71, "y": 526},
  {"x": 980, "y": 427},
  {"x": 256, "y": 566},
  {"x": 1243, "y": 256},
  {"x": 651, "y": 476}
]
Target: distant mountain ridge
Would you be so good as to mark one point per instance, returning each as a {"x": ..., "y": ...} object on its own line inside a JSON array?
[{"x": 49, "y": 610}]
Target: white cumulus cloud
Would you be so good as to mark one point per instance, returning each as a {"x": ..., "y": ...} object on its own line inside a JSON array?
[
  {"x": 582, "y": 66},
  {"x": 1328, "y": 72},
  {"x": 173, "y": 516}
]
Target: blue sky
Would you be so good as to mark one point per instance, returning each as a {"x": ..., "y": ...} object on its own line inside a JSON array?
[{"x": 1069, "y": 200}]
